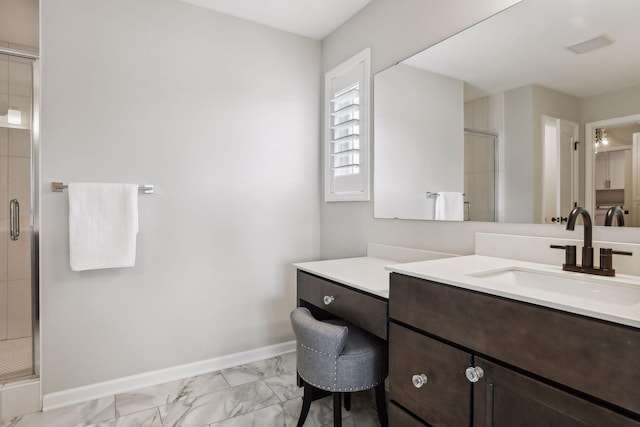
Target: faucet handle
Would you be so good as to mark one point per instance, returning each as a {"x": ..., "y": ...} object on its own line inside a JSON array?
[
  {"x": 606, "y": 258},
  {"x": 569, "y": 253},
  {"x": 622, "y": 253}
]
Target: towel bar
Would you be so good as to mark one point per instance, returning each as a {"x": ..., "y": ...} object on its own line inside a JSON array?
[
  {"x": 430, "y": 194},
  {"x": 58, "y": 187}
]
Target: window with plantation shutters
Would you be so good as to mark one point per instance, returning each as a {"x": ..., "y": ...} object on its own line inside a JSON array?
[{"x": 346, "y": 130}]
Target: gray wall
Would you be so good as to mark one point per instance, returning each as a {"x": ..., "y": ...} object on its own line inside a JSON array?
[
  {"x": 519, "y": 155},
  {"x": 419, "y": 134},
  {"x": 619, "y": 103},
  {"x": 395, "y": 30},
  {"x": 222, "y": 115}
]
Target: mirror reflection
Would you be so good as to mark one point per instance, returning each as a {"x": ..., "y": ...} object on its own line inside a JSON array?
[{"x": 503, "y": 117}]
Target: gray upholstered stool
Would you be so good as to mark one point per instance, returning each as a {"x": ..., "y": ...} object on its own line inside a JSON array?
[{"x": 339, "y": 358}]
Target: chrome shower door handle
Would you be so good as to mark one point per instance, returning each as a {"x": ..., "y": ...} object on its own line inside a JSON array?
[{"x": 14, "y": 219}]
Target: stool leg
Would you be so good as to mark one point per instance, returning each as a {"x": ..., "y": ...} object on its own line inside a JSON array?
[
  {"x": 337, "y": 409},
  {"x": 381, "y": 404},
  {"x": 306, "y": 402},
  {"x": 347, "y": 401}
]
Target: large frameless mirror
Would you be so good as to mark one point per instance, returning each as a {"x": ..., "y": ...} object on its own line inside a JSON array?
[{"x": 505, "y": 114}]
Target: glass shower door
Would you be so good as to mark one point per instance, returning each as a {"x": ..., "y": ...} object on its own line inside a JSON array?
[
  {"x": 480, "y": 173},
  {"x": 16, "y": 218}
]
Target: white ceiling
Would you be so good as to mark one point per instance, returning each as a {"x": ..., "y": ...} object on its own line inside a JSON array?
[
  {"x": 526, "y": 44},
  {"x": 309, "y": 18}
]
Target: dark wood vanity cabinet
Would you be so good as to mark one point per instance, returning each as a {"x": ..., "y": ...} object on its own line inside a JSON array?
[{"x": 541, "y": 367}]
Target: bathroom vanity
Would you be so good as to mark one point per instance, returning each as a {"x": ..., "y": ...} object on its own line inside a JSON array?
[
  {"x": 489, "y": 341},
  {"x": 469, "y": 345}
]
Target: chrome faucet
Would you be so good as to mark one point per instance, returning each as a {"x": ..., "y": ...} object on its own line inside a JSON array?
[
  {"x": 606, "y": 254},
  {"x": 587, "y": 250},
  {"x": 611, "y": 212}
]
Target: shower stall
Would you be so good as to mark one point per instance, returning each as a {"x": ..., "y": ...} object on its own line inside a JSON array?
[
  {"x": 480, "y": 175},
  {"x": 18, "y": 215}
]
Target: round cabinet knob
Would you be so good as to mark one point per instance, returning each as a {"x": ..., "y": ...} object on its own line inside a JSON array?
[
  {"x": 328, "y": 299},
  {"x": 419, "y": 380},
  {"x": 474, "y": 373}
]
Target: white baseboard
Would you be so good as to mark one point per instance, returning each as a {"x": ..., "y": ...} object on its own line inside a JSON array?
[{"x": 120, "y": 385}]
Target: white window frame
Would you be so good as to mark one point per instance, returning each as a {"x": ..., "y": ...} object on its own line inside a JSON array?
[{"x": 360, "y": 191}]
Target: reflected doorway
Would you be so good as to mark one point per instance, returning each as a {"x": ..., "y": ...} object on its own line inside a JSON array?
[
  {"x": 560, "y": 172},
  {"x": 612, "y": 168}
]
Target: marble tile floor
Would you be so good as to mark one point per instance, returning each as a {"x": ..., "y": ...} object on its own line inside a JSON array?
[{"x": 256, "y": 394}]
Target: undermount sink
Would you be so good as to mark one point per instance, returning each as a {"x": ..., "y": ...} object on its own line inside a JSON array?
[{"x": 610, "y": 292}]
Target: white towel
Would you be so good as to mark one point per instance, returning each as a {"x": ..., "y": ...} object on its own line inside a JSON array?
[
  {"x": 449, "y": 206},
  {"x": 103, "y": 223}
]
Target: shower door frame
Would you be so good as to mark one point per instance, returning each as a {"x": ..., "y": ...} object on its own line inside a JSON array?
[{"x": 34, "y": 235}]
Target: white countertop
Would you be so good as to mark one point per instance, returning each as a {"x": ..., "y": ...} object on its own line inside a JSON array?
[
  {"x": 459, "y": 272},
  {"x": 365, "y": 273}
]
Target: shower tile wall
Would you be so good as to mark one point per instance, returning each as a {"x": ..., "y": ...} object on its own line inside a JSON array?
[
  {"x": 479, "y": 177},
  {"x": 15, "y": 176},
  {"x": 479, "y": 157}
]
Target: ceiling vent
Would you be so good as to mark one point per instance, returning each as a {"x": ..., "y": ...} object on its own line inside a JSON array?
[{"x": 591, "y": 44}]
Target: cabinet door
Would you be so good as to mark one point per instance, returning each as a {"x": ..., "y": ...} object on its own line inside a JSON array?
[
  {"x": 616, "y": 169},
  {"x": 505, "y": 398},
  {"x": 399, "y": 418},
  {"x": 444, "y": 398},
  {"x": 602, "y": 171}
]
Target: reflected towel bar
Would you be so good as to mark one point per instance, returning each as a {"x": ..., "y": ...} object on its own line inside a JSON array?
[
  {"x": 430, "y": 194},
  {"x": 58, "y": 187}
]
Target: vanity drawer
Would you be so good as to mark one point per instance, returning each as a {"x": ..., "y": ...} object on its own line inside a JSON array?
[
  {"x": 365, "y": 311},
  {"x": 444, "y": 399},
  {"x": 596, "y": 357}
]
